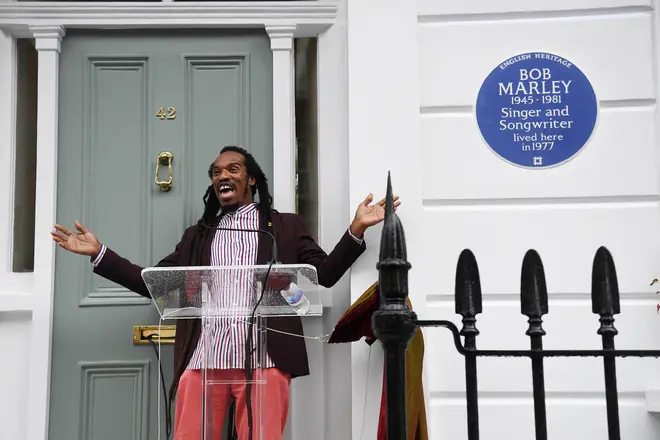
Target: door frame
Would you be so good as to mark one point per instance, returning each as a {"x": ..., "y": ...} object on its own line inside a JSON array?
[{"x": 47, "y": 22}]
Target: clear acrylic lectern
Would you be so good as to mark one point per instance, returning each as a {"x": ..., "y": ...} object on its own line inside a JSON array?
[{"x": 227, "y": 299}]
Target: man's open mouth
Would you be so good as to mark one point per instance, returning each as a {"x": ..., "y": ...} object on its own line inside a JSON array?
[{"x": 225, "y": 189}]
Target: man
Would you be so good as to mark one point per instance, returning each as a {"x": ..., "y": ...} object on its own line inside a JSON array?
[{"x": 236, "y": 178}]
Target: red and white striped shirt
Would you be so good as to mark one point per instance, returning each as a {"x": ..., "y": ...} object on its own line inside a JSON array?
[{"x": 233, "y": 288}]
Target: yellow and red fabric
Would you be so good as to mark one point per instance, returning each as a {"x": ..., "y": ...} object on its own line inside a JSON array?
[{"x": 355, "y": 324}]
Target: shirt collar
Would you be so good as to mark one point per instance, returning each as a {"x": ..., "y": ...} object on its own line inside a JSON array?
[{"x": 245, "y": 210}]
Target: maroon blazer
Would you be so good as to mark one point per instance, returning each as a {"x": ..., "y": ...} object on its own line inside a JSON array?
[{"x": 295, "y": 246}]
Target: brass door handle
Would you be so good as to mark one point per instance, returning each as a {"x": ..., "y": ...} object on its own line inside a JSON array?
[{"x": 165, "y": 158}]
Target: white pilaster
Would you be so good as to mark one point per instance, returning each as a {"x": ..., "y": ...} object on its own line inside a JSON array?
[
  {"x": 284, "y": 133},
  {"x": 7, "y": 130},
  {"x": 47, "y": 42}
]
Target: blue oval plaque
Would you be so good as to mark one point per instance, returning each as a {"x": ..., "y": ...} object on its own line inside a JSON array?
[{"x": 536, "y": 110}]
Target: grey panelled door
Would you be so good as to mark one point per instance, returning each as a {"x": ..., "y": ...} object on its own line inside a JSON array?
[{"x": 214, "y": 88}]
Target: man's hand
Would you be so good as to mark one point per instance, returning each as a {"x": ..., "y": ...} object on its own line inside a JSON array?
[
  {"x": 83, "y": 242},
  {"x": 369, "y": 215}
]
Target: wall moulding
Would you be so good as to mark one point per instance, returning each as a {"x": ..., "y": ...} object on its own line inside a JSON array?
[{"x": 309, "y": 17}]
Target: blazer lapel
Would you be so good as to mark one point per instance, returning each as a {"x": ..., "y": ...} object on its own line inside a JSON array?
[
  {"x": 264, "y": 242},
  {"x": 208, "y": 242}
]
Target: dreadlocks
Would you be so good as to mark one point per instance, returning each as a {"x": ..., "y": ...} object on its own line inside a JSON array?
[
  {"x": 211, "y": 202},
  {"x": 206, "y": 225}
]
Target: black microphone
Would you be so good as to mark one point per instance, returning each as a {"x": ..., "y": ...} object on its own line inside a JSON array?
[{"x": 249, "y": 337}]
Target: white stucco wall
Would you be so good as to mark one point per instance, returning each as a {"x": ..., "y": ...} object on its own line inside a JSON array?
[
  {"x": 415, "y": 69},
  {"x": 383, "y": 136}
]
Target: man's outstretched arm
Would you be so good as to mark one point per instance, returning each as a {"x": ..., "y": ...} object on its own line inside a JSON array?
[
  {"x": 118, "y": 269},
  {"x": 331, "y": 267},
  {"x": 106, "y": 262}
]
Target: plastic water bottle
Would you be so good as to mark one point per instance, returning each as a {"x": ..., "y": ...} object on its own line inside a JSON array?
[{"x": 295, "y": 298}]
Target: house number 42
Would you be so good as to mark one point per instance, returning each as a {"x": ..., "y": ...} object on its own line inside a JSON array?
[{"x": 170, "y": 113}]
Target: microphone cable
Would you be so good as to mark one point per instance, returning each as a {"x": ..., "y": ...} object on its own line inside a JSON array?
[{"x": 168, "y": 410}]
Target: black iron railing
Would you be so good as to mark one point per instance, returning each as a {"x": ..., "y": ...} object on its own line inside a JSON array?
[{"x": 394, "y": 325}]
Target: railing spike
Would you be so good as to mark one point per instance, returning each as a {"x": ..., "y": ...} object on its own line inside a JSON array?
[
  {"x": 389, "y": 197},
  {"x": 604, "y": 285},
  {"x": 533, "y": 290},
  {"x": 468, "y": 285}
]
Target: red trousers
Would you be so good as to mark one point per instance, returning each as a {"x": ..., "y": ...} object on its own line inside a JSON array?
[{"x": 275, "y": 404}]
